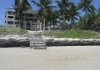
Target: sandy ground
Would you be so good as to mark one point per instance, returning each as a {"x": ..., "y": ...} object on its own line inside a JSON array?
[{"x": 54, "y": 58}]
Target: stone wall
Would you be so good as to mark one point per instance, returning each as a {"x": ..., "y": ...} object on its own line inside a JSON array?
[
  {"x": 50, "y": 42},
  {"x": 72, "y": 43},
  {"x": 14, "y": 43}
]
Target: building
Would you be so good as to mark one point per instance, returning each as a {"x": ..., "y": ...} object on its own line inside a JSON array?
[{"x": 29, "y": 21}]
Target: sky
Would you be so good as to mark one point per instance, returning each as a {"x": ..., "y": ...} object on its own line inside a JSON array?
[{"x": 4, "y": 4}]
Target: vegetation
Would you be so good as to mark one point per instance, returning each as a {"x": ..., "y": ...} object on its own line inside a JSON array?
[
  {"x": 44, "y": 5},
  {"x": 82, "y": 34},
  {"x": 87, "y": 7},
  {"x": 11, "y": 30},
  {"x": 63, "y": 6},
  {"x": 20, "y": 6},
  {"x": 64, "y": 15}
]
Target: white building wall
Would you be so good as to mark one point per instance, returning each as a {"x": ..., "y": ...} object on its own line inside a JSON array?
[{"x": 31, "y": 22}]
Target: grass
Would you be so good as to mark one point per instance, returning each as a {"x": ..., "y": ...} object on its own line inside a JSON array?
[
  {"x": 82, "y": 34},
  {"x": 12, "y": 30}
]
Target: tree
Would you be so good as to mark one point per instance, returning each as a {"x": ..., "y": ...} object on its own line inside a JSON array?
[
  {"x": 86, "y": 6},
  {"x": 73, "y": 13},
  {"x": 80, "y": 24},
  {"x": 20, "y": 6},
  {"x": 96, "y": 19},
  {"x": 63, "y": 6},
  {"x": 43, "y": 6},
  {"x": 39, "y": 16},
  {"x": 52, "y": 16}
]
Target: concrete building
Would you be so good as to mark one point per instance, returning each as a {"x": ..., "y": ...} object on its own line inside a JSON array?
[{"x": 29, "y": 21}]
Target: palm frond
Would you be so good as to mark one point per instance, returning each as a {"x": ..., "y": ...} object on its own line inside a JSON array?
[
  {"x": 27, "y": 3},
  {"x": 34, "y": 2}
]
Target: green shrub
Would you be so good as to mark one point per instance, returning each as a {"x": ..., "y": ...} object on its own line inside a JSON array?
[{"x": 12, "y": 30}]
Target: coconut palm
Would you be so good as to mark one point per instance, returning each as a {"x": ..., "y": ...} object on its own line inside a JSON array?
[
  {"x": 73, "y": 13},
  {"x": 16, "y": 7},
  {"x": 86, "y": 6},
  {"x": 96, "y": 24},
  {"x": 55, "y": 16},
  {"x": 63, "y": 6},
  {"x": 81, "y": 22},
  {"x": 43, "y": 6},
  {"x": 20, "y": 6},
  {"x": 39, "y": 16},
  {"x": 52, "y": 16}
]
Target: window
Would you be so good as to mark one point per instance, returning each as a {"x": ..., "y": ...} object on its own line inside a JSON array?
[
  {"x": 33, "y": 24},
  {"x": 5, "y": 21},
  {"x": 10, "y": 17},
  {"x": 9, "y": 12},
  {"x": 10, "y": 22},
  {"x": 31, "y": 15},
  {"x": 16, "y": 18},
  {"x": 35, "y": 19},
  {"x": 27, "y": 19},
  {"x": 15, "y": 22},
  {"x": 30, "y": 19},
  {"x": 28, "y": 24}
]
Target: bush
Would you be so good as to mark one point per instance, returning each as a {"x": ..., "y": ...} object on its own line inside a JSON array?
[{"x": 11, "y": 30}]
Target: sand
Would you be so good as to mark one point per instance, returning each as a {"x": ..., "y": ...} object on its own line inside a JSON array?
[{"x": 54, "y": 58}]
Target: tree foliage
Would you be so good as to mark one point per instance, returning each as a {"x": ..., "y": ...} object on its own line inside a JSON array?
[
  {"x": 63, "y": 11},
  {"x": 20, "y": 6}
]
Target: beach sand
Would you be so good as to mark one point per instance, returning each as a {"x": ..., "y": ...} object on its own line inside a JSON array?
[{"x": 53, "y": 58}]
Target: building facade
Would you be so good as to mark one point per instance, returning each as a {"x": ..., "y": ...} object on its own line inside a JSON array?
[{"x": 29, "y": 21}]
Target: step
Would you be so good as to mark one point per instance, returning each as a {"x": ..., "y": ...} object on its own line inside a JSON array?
[
  {"x": 37, "y": 42},
  {"x": 38, "y": 46}
]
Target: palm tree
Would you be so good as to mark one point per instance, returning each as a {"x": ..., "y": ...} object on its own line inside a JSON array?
[
  {"x": 81, "y": 22},
  {"x": 43, "y": 6},
  {"x": 52, "y": 16},
  {"x": 98, "y": 12},
  {"x": 20, "y": 6},
  {"x": 55, "y": 16},
  {"x": 96, "y": 20},
  {"x": 49, "y": 16},
  {"x": 86, "y": 6},
  {"x": 40, "y": 18},
  {"x": 16, "y": 7},
  {"x": 73, "y": 13},
  {"x": 63, "y": 6}
]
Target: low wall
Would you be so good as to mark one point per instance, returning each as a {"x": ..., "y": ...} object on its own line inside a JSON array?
[
  {"x": 73, "y": 43},
  {"x": 50, "y": 42},
  {"x": 14, "y": 43}
]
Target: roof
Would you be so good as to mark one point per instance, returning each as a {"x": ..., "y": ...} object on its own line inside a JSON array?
[{"x": 30, "y": 11}]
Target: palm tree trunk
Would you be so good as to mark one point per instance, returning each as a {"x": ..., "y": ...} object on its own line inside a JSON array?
[
  {"x": 85, "y": 20},
  {"x": 73, "y": 25},
  {"x": 64, "y": 23},
  {"x": 18, "y": 19},
  {"x": 40, "y": 24},
  {"x": 50, "y": 24},
  {"x": 44, "y": 25},
  {"x": 21, "y": 25},
  {"x": 24, "y": 22}
]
